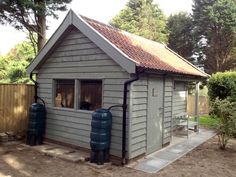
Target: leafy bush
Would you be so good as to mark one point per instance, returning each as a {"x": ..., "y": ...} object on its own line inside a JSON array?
[
  {"x": 225, "y": 112},
  {"x": 17, "y": 72},
  {"x": 222, "y": 85}
]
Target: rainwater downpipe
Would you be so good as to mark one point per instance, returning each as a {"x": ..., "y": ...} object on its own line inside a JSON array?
[
  {"x": 124, "y": 106},
  {"x": 36, "y": 97}
]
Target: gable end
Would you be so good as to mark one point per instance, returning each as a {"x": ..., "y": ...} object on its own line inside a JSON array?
[{"x": 72, "y": 19}]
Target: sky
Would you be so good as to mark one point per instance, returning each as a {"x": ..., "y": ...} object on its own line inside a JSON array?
[{"x": 102, "y": 10}]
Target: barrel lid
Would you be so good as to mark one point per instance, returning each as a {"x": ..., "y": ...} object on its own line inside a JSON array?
[
  {"x": 37, "y": 104},
  {"x": 102, "y": 110}
]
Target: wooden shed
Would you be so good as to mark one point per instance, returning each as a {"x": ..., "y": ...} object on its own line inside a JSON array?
[{"x": 85, "y": 65}]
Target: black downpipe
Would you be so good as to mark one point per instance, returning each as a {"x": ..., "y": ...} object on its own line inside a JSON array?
[
  {"x": 36, "y": 97},
  {"x": 124, "y": 115},
  {"x": 35, "y": 88}
]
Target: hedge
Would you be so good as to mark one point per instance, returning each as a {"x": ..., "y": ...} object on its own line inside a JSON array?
[{"x": 222, "y": 85}]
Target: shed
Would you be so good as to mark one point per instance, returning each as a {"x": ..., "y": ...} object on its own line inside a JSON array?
[{"x": 85, "y": 65}]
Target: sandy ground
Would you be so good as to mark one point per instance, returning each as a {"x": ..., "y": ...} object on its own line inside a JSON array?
[{"x": 206, "y": 160}]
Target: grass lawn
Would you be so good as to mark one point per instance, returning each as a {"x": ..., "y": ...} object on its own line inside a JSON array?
[{"x": 207, "y": 121}]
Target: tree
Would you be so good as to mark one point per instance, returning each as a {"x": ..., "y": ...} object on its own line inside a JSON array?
[
  {"x": 22, "y": 51},
  {"x": 16, "y": 72},
  {"x": 30, "y": 16},
  {"x": 181, "y": 38},
  {"x": 3, "y": 67},
  {"x": 215, "y": 31},
  {"x": 13, "y": 65},
  {"x": 144, "y": 18}
]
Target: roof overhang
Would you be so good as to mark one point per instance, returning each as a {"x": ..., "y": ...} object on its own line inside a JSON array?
[
  {"x": 72, "y": 19},
  {"x": 186, "y": 76}
]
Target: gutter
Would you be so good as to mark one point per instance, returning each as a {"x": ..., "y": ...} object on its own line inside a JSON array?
[{"x": 124, "y": 106}]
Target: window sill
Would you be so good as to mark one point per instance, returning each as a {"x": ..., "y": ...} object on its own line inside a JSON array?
[{"x": 72, "y": 110}]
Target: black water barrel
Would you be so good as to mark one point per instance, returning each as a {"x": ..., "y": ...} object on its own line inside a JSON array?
[
  {"x": 100, "y": 136},
  {"x": 36, "y": 126},
  {"x": 101, "y": 129}
]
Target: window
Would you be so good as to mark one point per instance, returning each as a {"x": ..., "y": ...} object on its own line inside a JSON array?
[
  {"x": 179, "y": 86},
  {"x": 90, "y": 94},
  {"x": 64, "y": 93}
]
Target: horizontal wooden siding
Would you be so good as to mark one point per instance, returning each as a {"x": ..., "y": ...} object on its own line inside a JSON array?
[
  {"x": 138, "y": 122},
  {"x": 79, "y": 58},
  {"x": 168, "y": 98}
]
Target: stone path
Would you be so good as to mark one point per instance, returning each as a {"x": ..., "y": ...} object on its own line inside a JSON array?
[{"x": 160, "y": 159}]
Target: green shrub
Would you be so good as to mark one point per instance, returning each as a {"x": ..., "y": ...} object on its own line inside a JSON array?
[
  {"x": 17, "y": 71},
  {"x": 222, "y": 85},
  {"x": 225, "y": 112}
]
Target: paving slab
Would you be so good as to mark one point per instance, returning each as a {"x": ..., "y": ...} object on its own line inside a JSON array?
[
  {"x": 43, "y": 148},
  {"x": 152, "y": 165},
  {"x": 176, "y": 150},
  {"x": 165, "y": 155},
  {"x": 72, "y": 157},
  {"x": 99, "y": 166},
  {"x": 57, "y": 151},
  {"x": 160, "y": 159}
]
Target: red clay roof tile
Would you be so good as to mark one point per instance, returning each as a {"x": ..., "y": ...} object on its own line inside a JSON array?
[{"x": 146, "y": 53}]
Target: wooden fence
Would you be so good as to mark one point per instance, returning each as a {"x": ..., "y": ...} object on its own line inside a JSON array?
[
  {"x": 203, "y": 105},
  {"x": 15, "y": 100}
]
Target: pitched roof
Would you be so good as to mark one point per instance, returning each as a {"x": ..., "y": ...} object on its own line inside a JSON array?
[
  {"x": 127, "y": 49},
  {"x": 146, "y": 53}
]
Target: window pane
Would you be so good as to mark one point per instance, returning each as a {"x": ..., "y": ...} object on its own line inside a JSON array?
[
  {"x": 90, "y": 94},
  {"x": 64, "y": 93},
  {"x": 179, "y": 86}
]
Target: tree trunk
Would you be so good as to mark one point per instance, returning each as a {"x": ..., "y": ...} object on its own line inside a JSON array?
[
  {"x": 41, "y": 25},
  {"x": 41, "y": 32}
]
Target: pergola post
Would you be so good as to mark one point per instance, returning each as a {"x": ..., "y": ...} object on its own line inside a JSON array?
[{"x": 196, "y": 127}]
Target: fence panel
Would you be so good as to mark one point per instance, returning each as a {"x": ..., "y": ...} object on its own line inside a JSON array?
[
  {"x": 15, "y": 100},
  {"x": 203, "y": 105}
]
